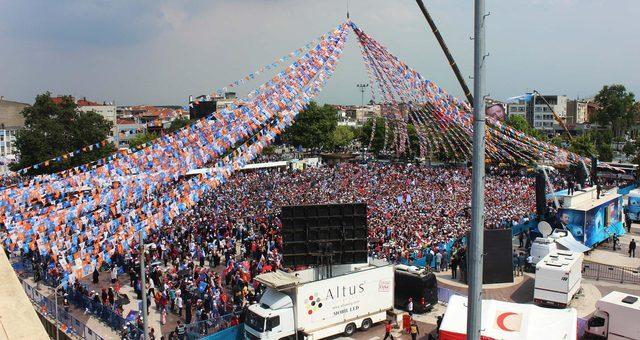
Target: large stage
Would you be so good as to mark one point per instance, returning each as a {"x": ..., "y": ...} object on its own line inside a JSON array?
[{"x": 589, "y": 218}]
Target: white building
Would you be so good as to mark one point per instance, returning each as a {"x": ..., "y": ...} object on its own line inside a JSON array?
[
  {"x": 538, "y": 114},
  {"x": 577, "y": 112},
  {"x": 11, "y": 120},
  {"x": 106, "y": 110},
  {"x": 361, "y": 114}
]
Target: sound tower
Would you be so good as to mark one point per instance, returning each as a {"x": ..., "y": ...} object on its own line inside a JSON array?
[
  {"x": 312, "y": 234},
  {"x": 594, "y": 171},
  {"x": 541, "y": 193},
  {"x": 497, "y": 265}
]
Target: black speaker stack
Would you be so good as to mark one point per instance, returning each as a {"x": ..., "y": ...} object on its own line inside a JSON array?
[
  {"x": 541, "y": 193},
  {"x": 497, "y": 264},
  {"x": 322, "y": 234}
]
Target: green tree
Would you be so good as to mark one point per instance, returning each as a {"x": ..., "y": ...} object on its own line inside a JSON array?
[
  {"x": 583, "y": 145},
  {"x": 629, "y": 148},
  {"x": 617, "y": 108},
  {"x": 605, "y": 152},
  {"x": 54, "y": 130},
  {"x": 141, "y": 139},
  {"x": 558, "y": 141},
  {"x": 378, "y": 137},
  {"x": 178, "y": 124},
  {"x": 342, "y": 136},
  {"x": 602, "y": 136},
  {"x": 269, "y": 150},
  {"x": 313, "y": 127},
  {"x": 414, "y": 142},
  {"x": 520, "y": 123}
]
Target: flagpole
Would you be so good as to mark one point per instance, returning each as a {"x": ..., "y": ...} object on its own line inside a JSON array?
[{"x": 475, "y": 261}]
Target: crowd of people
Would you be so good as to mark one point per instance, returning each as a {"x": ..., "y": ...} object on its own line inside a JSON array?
[{"x": 202, "y": 264}]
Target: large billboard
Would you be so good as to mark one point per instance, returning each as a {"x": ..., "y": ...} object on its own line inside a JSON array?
[
  {"x": 603, "y": 221},
  {"x": 595, "y": 225},
  {"x": 573, "y": 220}
]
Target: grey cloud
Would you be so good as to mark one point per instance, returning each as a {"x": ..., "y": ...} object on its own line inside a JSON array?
[{"x": 160, "y": 51}]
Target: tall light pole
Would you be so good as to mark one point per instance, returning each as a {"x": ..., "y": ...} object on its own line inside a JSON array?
[
  {"x": 474, "y": 312},
  {"x": 362, "y": 87}
]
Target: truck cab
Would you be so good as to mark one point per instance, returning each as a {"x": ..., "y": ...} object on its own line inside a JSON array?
[
  {"x": 598, "y": 325},
  {"x": 616, "y": 317},
  {"x": 272, "y": 318}
]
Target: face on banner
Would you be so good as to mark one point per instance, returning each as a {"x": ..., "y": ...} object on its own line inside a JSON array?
[
  {"x": 496, "y": 111},
  {"x": 573, "y": 221}
]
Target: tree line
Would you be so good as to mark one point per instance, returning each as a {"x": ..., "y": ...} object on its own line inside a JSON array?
[{"x": 55, "y": 129}]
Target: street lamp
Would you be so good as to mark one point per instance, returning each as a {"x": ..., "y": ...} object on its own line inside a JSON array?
[{"x": 362, "y": 87}]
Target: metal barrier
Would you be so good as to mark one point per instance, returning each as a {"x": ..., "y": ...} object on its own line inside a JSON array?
[
  {"x": 444, "y": 294},
  {"x": 235, "y": 332},
  {"x": 69, "y": 324},
  {"x": 599, "y": 271},
  {"x": 197, "y": 330}
]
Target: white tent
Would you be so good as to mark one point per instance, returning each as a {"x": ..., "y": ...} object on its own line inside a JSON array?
[{"x": 508, "y": 320}]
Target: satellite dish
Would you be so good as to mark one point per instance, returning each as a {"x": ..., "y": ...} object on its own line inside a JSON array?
[{"x": 545, "y": 228}]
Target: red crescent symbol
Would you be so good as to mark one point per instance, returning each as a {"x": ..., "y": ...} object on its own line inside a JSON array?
[{"x": 500, "y": 321}]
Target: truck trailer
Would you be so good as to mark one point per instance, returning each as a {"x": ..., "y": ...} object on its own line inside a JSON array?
[
  {"x": 558, "y": 279},
  {"x": 617, "y": 316},
  {"x": 316, "y": 306}
]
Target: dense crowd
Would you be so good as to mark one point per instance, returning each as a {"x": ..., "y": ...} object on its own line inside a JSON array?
[{"x": 202, "y": 264}]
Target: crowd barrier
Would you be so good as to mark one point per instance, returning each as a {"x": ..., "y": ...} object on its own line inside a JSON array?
[
  {"x": 520, "y": 228},
  {"x": 444, "y": 294},
  {"x": 69, "y": 323},
  {"x": 600, "y": 271},
  {"x": 231, "y": 333},
  {"x": 200, "y": 329}
]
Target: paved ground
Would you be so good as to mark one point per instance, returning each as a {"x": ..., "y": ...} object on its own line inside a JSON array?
[{"x": 605, "y": 254}]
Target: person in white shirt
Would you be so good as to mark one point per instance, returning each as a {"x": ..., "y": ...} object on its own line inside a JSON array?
[
  {"x": 179, "y": 305},
  {"x": 114, "y": 274}
]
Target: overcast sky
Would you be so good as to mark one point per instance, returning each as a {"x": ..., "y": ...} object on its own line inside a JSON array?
[{"x": 158, "y": 52}]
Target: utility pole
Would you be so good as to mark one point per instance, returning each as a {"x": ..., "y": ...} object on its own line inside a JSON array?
[
  {"x": 475, "y": 261},
  {"x": 55, "y": 296},
  {"x": 447, "y": 54},
  {"x": 362, "y": 87},
  {"x": 143, "y": 288}
]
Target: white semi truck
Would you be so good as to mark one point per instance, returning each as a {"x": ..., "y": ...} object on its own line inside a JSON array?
[
  {"x": 617, "y": 316},
  {"x": 356, "y": 296},
  {"x": 558, "y": 278}
]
